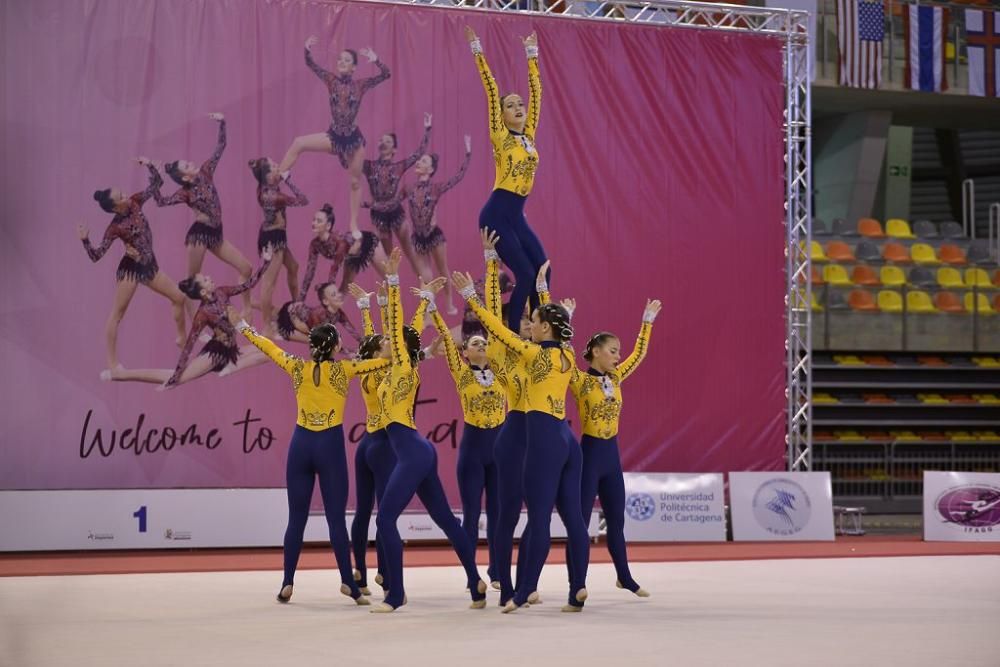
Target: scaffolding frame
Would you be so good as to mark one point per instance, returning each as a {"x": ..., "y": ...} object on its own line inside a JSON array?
[{"x": 792, "y": 27}]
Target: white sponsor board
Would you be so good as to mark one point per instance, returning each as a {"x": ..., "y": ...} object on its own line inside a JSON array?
[
  {"x": 781, "y": 506},
  {"x": 961, "y": 506},
  {"x": 175, "y": 518},
  {"x": 674, "y": 507}
]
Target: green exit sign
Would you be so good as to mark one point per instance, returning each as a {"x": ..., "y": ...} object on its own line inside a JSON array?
[{"x": 899, "y": 170}]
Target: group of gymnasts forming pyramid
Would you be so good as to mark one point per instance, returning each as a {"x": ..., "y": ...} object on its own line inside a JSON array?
[{"x": 512, "y": 381}]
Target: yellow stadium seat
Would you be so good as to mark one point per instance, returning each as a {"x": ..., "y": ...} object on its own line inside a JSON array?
[
  {"x": 824, "y": 398},
  {"x": 848, "y": 360},
  {"x": 987, "y": 399},
  {"x": 923, "y": 254},
  {"x": 987, "y": 435},
  {"x": 815, "y": 251},
  {"x": 933, "y": 399},
  {"x": 836, "y": 275},
  {"x": 985, "y": 362},
  {"x": 892, "y": 276},
  {"x": 978, "y": 278},
  {"x": 982, "y": 304},
  {"x": 919, "y": 301},
  {"x": 960, "y": 436},
  {"x": 949, "y": 277},
  {"x": 890, "y": 301},
  {"x": 849, "y": 435},
  {"x": 897, "y": 228}
]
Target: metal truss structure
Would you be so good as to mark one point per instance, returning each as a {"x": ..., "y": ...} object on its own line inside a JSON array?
[{"x": 792, "y": 27}]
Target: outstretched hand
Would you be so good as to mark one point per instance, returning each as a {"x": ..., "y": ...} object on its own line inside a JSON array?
[
  {"x": 470, "y": 34},
  {"x": 357, "y": 292},
  {"x": 144, "y": 161},
  {"x": 653, "y": 307},
  {"x": 569, "y": 305},
  {"x": 543, "y": 271},
  {"x": 531, "y": 40},
  {"x": 311, "y": 42},
  {"x": 461, "y": 280},
  {"x": 490, "y": 238},
  {"x": 382, "y": 290},
  {"x": 433, "y": 286},
  {"x": 217, "y": 116},
  {"x": 368, "y": 53},
  {"x": 392, "y": 264},
  {"x": 427, "y": 120},
  {"x": 82, "y": 230},
  {"x": 468, "y": 143}
]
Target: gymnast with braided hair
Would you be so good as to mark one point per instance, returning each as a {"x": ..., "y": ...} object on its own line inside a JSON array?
[
  {"x": 373, "y": 459},
  {"x": 317, "y": 447},
  {"x": 415, "y": 472},
  {"x": 552, "y": 460}
]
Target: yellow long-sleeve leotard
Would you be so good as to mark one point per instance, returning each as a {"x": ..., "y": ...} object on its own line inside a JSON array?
[
  {"x": 504, "y": 362},
  {"x": 548, "y": 367},
  {"x": 398, "y": 391},
  {"x": 370, "y": 382},
  {"x": 599, "y": 411},
  {"x": 319, "y": 407},
  {"x": 482, "y": 406},
  {"x": 514, "y": 154}
]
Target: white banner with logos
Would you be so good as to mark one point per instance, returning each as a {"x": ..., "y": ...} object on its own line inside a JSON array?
[
  {"x": 674, "y": 507},
  {"x": 177, "y": 518},
  {"x": 781, "y": 505},
  {"x": 961, "y": 506}
]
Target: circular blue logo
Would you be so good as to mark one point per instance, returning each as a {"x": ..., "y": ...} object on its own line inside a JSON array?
[
  {"x": 640, "y": 506},
  {"x": 782, "y": 507}
]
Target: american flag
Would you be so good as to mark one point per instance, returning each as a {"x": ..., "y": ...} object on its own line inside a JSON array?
[{"x": 860, "y": 31}]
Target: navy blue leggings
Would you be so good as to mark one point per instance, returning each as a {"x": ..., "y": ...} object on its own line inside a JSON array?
[
  {"x": 602, "y": 477},
  {"x": 416, "y": 473},
  {"x": 552, "y": 468},
  {"x": 321, "y": 453},
  {"x": 477, "y": 472},
  {"x": 373, "y": 463},
  {"x": 508, "y": 453},
  {"x": 518, "y": 248}
]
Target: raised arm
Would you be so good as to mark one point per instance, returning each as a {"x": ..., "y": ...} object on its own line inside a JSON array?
[
  {"x": 628, "y": 366},
  {"x": 534, "y": 86},
  {"x": 325, "y": 75},
  {"x": 492, "y": 288},
  {"x": 364, "y": 301},
  {"x": 286, "y": 361},
  {"x": 454, "y": 180},
  {"x": 489, "y": 85},
  {"x": 154, "y": 185},
  {"x": 383, "y": 71},
  {"x": 352, "y": 368},
  {"x": 494, "y": 327},
  {"x": 179, "y": 197},
  {"x": 455, "y": 364},
  {"x": 251, "y": 282},
  {"x": 394, "y": 327},
  {"x": 412, "y": 158},
  {"x": 542, "y": 284},
  {"x": 220, "y": 145}
]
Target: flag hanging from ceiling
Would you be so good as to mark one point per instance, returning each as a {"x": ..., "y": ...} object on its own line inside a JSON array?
[
  {"x": 982, "y": 41},
  {"x": 860, "y": 31},
  {"x": 925, "y": 28}
]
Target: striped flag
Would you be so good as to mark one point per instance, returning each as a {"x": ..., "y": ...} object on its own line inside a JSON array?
[
  {"x": 860, "y": 31},
  {"x": 982, "y": 41},
  {"x": 925, "y": 28}
]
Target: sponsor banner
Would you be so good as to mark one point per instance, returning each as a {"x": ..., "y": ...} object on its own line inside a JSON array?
[
  {"x": 781, "y": 505},
  {"x": 177, "y": 518},
  {"x": 961, "y": 507},
  {"x": 674, "y": 507}
]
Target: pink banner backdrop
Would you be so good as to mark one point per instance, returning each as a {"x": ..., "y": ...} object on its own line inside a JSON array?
[{"x": 660, "y": 176}]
